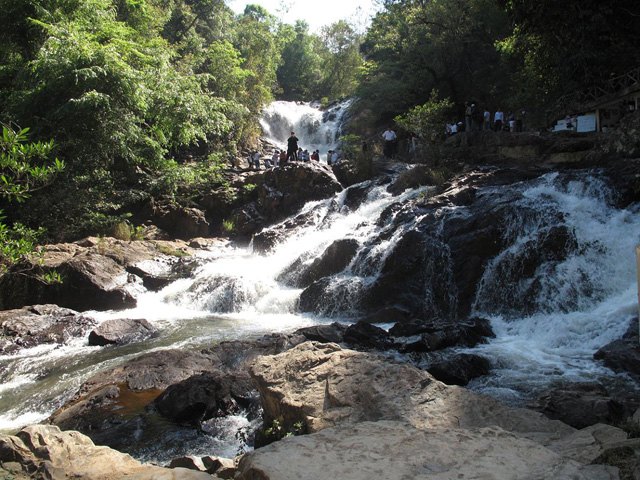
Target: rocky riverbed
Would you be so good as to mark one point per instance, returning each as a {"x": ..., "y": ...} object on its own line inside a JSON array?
[{"x": 341, "y": 399}]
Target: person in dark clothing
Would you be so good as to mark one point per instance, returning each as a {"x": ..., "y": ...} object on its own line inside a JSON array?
[{"x": 292, "y": 148}]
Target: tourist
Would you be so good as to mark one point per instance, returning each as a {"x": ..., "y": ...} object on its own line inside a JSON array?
[
  {"x": 256, "y": 160},
  {"x": 292, "y": 147},
  {"x": 498, "y": 118},
  {"x": 468, "y": 112},
  {"x": 275, "y": 157},
  {"x": 334, "y": 158},
  {"x": 486, "y": 120},
  {"x": 389, "y": 137},
  {"x": 453, "y": 128},
  {"x": 283, "y": 158}
]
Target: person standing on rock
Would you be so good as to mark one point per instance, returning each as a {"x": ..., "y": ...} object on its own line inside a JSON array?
[
  {"x": 389, "y": 137},
  {"x": 292, "y": 148}
]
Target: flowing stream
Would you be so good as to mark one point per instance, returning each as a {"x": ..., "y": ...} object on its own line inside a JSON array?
[{"x": 583, "y": 302}]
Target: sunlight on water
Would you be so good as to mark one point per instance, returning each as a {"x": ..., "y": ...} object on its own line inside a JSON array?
[{"x": 583, "y": 301}]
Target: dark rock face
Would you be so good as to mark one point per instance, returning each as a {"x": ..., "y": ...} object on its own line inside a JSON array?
[
  {"x": 580, "y": 405},
  {"x": 364, "y": 336},
  {"x": 460, "y": 369},
  {"x": 40, "y": 324},
  {"x": 333, "y": 333},
  {"x": 438, "y": 335},
  {"x": 333, "y": 260},
  {"x": 180, "y": 222},
  {"x": 204, "y": 396},
  {"x": 623, "y": 355},
  {"x": 283, "y": 191},
  {"x": 434, "y": 268},
  {"x": 121, "y": 331}
]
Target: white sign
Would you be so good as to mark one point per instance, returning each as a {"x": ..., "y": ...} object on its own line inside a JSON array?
[{"x": 587, "y": 123}]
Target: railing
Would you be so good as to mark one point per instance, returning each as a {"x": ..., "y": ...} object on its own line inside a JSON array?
[{"x": 590, "y": 97}]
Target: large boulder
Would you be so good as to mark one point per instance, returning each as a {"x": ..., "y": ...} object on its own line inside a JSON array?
[
  {"x": 334, "y": 259},
  {"x": 116, "y": 407},
  {"x": 580, "y": 405},
  {"x": 97, "y": 274},
  {"x": 397, "y": 450},
  {"x": 334, "y": 386},
  {"x": 179, "y": 221},
  {"x": 43, "y": 451},
  {"x": 40, "y": 324},
  {"x": 283, "y": 191},
  {"x": 205, "y": 396},
  {"x": 623, "y": 355}
]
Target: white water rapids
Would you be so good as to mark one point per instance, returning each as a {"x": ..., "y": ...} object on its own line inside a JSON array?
[{"x": 236, "y": 294}]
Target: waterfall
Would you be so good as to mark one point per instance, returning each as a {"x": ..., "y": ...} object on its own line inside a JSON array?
[
  {"x": 561, "y": 285},
  {"x": 569, "y": 307},
  {"x": 316, "y": 129}
]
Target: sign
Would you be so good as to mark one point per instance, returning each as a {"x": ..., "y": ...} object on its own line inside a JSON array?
[{"x": 587, "y": 123}]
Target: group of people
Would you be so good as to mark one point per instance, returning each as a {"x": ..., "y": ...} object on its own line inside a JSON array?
[
  {"x": 477, "y": 119},
  {"x": 294, "y": 153}
]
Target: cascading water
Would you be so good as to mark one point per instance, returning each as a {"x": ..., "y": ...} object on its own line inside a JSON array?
[
  {"x": 551, "y": 308},
  {"x": 316, "y": 129},
  {"x": 569, "y": 307}
]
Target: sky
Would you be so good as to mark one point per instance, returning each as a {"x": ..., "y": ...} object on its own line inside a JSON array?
[{"x": 317, "y": 13}]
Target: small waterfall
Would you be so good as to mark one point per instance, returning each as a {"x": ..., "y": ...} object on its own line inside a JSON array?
[
  {"x": 316, "y": 129},
  {"x": 562, "y": 288}
]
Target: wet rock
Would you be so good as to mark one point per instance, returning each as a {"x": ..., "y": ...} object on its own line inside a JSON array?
[
  {"x": 266, "y": 240},
  {"x": 356, "y": 195},
  {"x": 334, "y": 259},
  {"x": 205, "y": 396},
  {"x": 580, "y": 405},
  {"x": 40, "y": 324},
  {"x": 333, "y": 333},
  {"x": 365, "y": 336},
  {"x": 388, "y": 315},
  {"x": 283, "y": 191},
  {"x": 43, "y": 451},
  {"x": 121, "y": 331},
  {"x": 460, "y": 369},
  {"x": 116, "y": 407},
  {"x": 623, "y": 355},
  {"x": 440, "y": 334}
]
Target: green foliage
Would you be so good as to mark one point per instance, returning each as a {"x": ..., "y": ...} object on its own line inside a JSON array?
[
  {"x": 19, "y": 176},
  {"x": 425, "y": 119},
  {"x": 227, "y": 226},
  {"x": 415, "y": 47},
  {"x": 21, "y": 171},
  {"x": 276, "y": 431},
  {"x": 563, "y": 47}
]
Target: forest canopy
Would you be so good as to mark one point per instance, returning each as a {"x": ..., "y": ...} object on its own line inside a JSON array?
[{"x": 148, "y": 98}]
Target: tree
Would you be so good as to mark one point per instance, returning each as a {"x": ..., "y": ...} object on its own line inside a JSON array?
[
  {"x": 563, "y": 47},
  {"x": 24, "y": 167},
  {"x": 342, "y": 60},
  {"x": 300, "y": 71},
  {"x": 414, "y": 47},
  {"x": 425, "y": 119}
]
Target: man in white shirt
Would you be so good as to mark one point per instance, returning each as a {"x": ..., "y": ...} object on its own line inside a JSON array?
[{"x": 389, "y": 137}]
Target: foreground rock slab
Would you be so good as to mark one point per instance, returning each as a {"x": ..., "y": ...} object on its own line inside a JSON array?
[
  {"x": 396, "y": 450},
  {"x": 322, "y": 385},
  {"x": 46, "y": 452}
]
